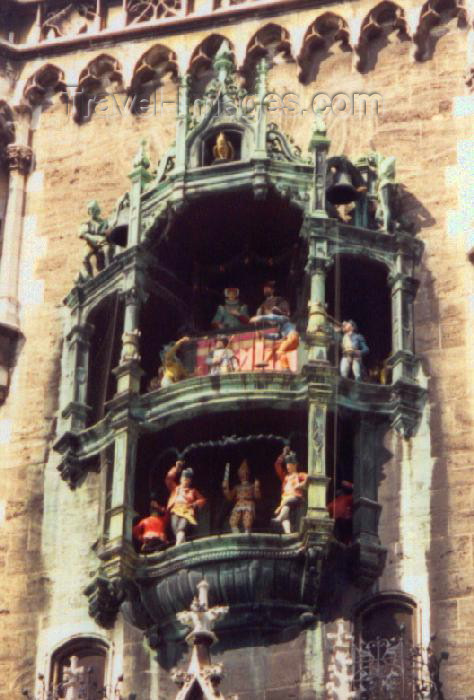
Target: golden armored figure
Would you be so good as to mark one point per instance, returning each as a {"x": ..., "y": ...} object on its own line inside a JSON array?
[
  {"x": 223, "y": 149},
  {"x": 244, "y": 495}
]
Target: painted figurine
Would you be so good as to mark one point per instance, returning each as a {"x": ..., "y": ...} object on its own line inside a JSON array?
[
  {"x": 222, "y": 150},
  {"x": 173, "y": 369},
  {"x": 245, "y": 494},
  {"x": 293, "y": 484},
  {"x": 272, "y": 301},
  {"x": 341, "y": 509},
  {"x": 354, "y": 348},
  {"x": 151, "y": 531},
  {"x": 223, "y": 359},
  {"x": 231, "y": 316},
  {"x": 287, "y": 334},
  {"x": 184, "y": 500}
]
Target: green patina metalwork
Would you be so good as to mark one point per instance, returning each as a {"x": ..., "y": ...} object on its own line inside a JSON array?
[{"x": 266, "y": 161}]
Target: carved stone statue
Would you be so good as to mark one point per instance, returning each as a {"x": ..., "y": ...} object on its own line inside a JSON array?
[
  {"x": 223, "y": 149},
  {"x": 244, "y": 494},
  {"x": 231, "y": 316},
  {"x": 93, "y": 232},
  {"x": 293, "y": 484},
  {"x": 222, "y": 360},
  {"x": 184, "y": 500},
  {"x": 151, "y": 531}
]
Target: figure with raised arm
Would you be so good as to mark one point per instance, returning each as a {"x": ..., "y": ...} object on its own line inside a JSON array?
[
  {"x": 173, "y": 369},
  {"x": 244, "y": 495},
  {"x": 287, "y": 334},
  {"x": 184, "y": 500},
  {"x": 293, "y": 485}
]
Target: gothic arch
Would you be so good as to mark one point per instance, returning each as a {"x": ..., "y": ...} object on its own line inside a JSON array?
[
  {"x": 435, "y": 13},
  {"x": 271, "y": 42},
  {"x": 200, "y": 64},
  {"x": 326, "y": 31},
  {"x": 384, "y": 19},
  {"x": 45, "y": 82},
  {"x": 153, "y": 69},
  {"x": 102, "y": 76}
]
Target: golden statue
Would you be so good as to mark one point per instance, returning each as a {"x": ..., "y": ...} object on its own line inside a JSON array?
[{"x": 223, "y": 149}]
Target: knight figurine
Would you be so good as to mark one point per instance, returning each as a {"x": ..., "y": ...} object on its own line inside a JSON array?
[
  {"x": 244, "y": 495},
  {"x": 223, "y": 149}
]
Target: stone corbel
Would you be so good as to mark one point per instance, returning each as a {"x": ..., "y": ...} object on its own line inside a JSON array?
[{"x": 105, "y": 597}]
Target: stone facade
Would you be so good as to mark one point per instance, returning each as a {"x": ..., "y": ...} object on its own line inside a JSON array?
[{"x": 49, "y": 533}]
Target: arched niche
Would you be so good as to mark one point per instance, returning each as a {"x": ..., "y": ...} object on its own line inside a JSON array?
[
  {"x": 80, "y": 665},
  {"x": 205, "y": 150},
  {"x": 218, "y": 242},
  {"x": 206, "y": 444},
  {"x": 357, "y": 289},
  {"x": 106, "y": 322}
]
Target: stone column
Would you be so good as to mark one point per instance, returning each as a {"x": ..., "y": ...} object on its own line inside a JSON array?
[
  {"x": 317, "y": 334},
  {"x": 139, "y": 177},
  {"x": 366, "y": 507},
  {"x": 119, "y": 536},
  {"x": 403, "y": 288},
  {"x": 320, "y": 145},
  {"x": 19, "y": 162},
  {"x": 76, "y": 372},
  {"x": 19, "y": 157},
  {"x": 182, "y": 122},
  {"x": 317, "y": 416},
  {"x": 261, "y": 131},
  {"x": 129, "y": 372}
]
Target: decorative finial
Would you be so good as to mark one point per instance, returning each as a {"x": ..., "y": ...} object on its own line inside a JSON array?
[
  {"x": 261, "y": 81},
  {"x": 223, "y": 63},
  {"x": 141, "y": 159},
  {"x": 201, "y": 674},
  {"x": 319, "y": 125}
]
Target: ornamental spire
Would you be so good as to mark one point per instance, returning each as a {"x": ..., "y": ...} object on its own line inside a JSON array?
[{"x": 202, "y": 679}]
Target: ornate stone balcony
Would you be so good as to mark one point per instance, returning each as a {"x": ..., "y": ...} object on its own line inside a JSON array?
[{"x": 268, "y": 580}]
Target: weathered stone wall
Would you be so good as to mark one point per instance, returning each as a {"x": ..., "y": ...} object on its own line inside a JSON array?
[{"x": 427, "y": 489}]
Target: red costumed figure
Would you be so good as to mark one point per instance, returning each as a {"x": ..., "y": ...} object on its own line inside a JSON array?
[
  {"x": 184, "y": 500},
  {"x": 293, "y": 484},
  {"x": 151, "y": 531},
  {"x": 341, "y": 509}
]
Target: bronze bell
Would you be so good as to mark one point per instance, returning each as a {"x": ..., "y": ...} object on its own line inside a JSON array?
[{"x": 341, "y": 190}]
